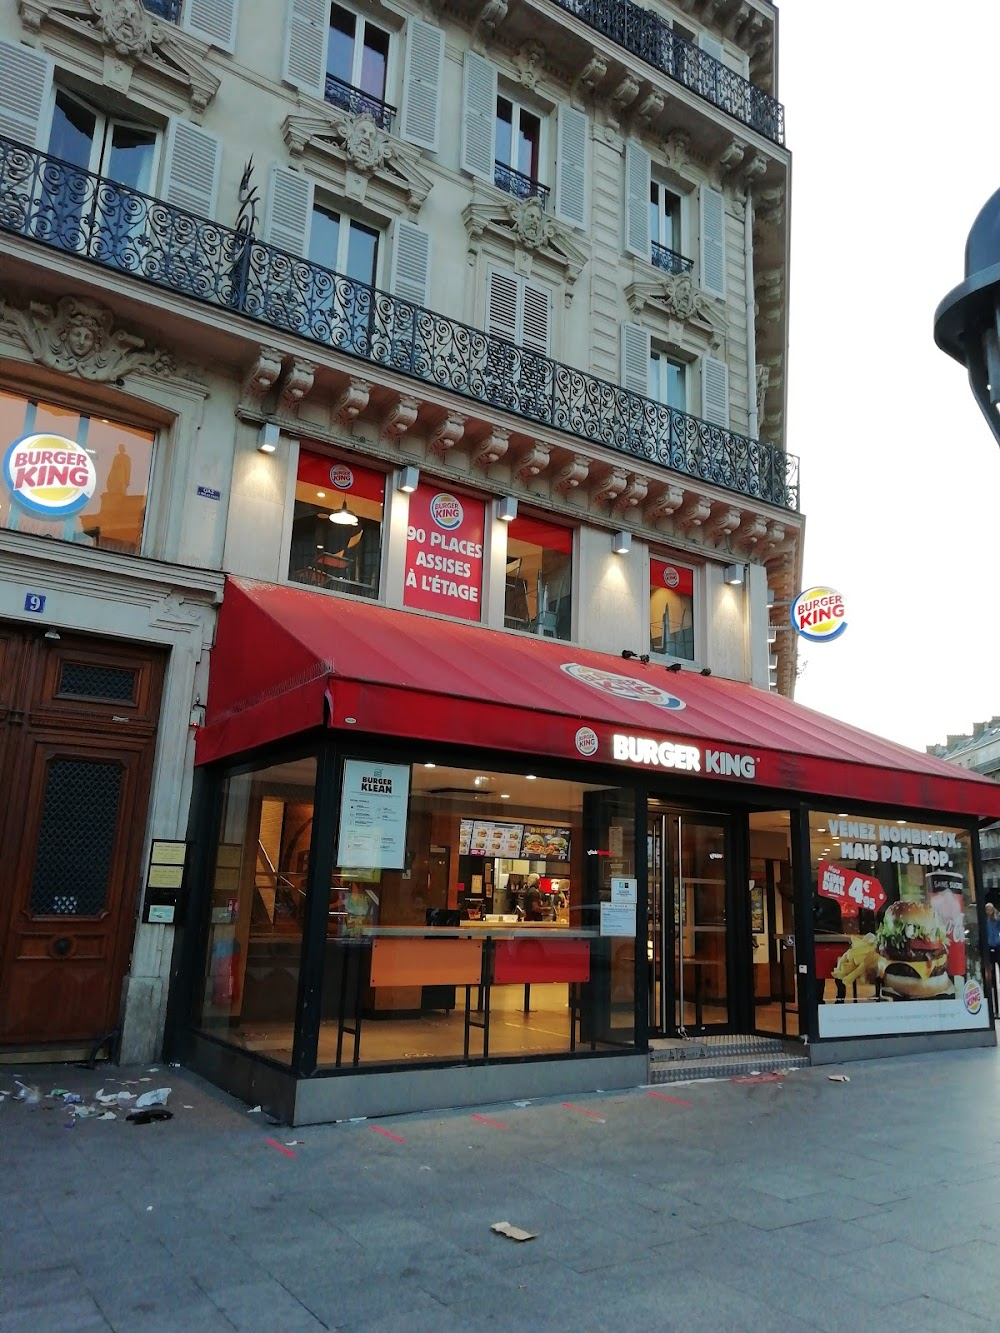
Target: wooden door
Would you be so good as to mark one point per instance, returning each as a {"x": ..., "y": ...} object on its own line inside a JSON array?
[{"x": 76, "y": 760}]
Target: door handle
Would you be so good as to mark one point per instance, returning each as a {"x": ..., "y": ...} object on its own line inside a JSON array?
[{"x": 61, "y": 947}]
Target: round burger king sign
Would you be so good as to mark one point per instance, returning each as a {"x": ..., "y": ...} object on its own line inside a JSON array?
[
  {"x": 819, "y": 614},
  {"x": 49, "y": 476}
]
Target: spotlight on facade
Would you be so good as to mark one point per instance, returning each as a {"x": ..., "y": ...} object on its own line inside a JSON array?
[
  {"x": 268, "y": 437},
  {"x": 408, "y": 480},
  {"x": 507, "y": 509},
  {"x": 621, "y": 543},
  {"x": 734, "y": 574},
  {"x": 967, "y": 322}
]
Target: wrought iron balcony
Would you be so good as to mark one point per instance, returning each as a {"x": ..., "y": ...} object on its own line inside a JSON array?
[
  {"x": 669, "y": 260},
  {"x": 165, "y": 9},
  {"x": 652, "y": 39},
  {"x": 54, "y": 204},
  {"x": 518, "y": 184},
  {"x": 359, "y": 103}
]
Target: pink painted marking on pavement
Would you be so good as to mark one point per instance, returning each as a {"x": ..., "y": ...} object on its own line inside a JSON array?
[
  {"x": 583, "y": 1111},
  {"x": 274, "y": 1144},
  {"x": 484, "y": 1120},
  {"x": 395, "y": 1137},
  {"x": 662, "y": 1097}
]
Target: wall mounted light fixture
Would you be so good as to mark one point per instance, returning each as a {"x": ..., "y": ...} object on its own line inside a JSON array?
[
  {"x": 344, "y": 516},
  {"x": 734, "y": 575},
  {"x": 268, "y": 437},
  {"x": 621, "y": 543},
  {"x": 507, "y": 509},
  {"x": 408, "y": 480}
]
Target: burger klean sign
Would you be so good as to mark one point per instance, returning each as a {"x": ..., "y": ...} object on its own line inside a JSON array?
[
  {"x": 818, "y": 614},
  {"x": 49, "y": 475},
  {"x": 444, "y": 554}
]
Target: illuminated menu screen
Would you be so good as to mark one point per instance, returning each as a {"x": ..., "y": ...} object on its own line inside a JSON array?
[
  {"x": 480, "y": 837},
  {"x": 547, "y": 842}
]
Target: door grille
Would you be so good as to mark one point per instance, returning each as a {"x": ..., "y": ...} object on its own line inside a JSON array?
[
  {"x": 97, "y": 682},
  {"x": 76, "y": 838}
]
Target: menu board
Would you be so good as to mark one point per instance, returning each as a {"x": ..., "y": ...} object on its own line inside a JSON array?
[
  {"x": 481, "y": 837},
  {"x": 546, "y": 842},
  {"x": 373, "y": 808}
]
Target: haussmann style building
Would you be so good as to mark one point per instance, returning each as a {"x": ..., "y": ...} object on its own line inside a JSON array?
[{"x": 397, "y": 538}]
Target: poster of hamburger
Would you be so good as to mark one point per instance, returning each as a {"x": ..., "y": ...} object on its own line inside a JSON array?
[{"x": 896, "y": 927}]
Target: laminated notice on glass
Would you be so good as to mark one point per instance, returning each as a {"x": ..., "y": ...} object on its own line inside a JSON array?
[{"x": 373, "y": 807}]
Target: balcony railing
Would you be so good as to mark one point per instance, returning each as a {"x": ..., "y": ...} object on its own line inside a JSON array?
[
  {"x": 652, "y": 39},
  {"x": 359, "y": 103},
  {"x": 518, "y": 184},
  {"x": 165, "y": 9},
  {"x": 669, "y": 260},
  {"x": 55, "y": 204}
]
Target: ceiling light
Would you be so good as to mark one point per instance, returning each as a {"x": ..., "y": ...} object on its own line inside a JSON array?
[
  {"x": 505, "y": 796},
  {"x": 321, "y": 495},
  {"x": 343, "y": 516},
  {"x": 734, "y": 574},
  {"x": 408, "y": 480},
  {"x": 268, "y": 437},
  {"x": 507, "y": 509},
  {"x": 621, "y": 543},
  {"x": 822, "y": 829},
  {"x": 530, "y": 777},
  {"x": 430, "y": 765}
]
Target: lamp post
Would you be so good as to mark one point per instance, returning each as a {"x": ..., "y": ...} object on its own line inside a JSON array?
[{"x": 967, "y": 322}]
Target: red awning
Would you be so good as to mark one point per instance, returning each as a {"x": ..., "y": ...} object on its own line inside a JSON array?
[{"x": 287, "y": 660}]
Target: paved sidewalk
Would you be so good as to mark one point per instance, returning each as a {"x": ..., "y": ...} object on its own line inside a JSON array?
[{"x": 794, "y": 1204}]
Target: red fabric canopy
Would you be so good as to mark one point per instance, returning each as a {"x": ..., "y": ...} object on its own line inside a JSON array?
[{"x": 288, "y": 659}]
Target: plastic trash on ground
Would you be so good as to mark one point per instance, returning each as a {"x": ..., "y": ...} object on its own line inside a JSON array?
[{"x": 155, "y": 1097}]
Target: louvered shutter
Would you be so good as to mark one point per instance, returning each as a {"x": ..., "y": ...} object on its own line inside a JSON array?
[
  {"x": 191, "y": 168},
  {"x": 715, "y": 391},
  {"x": 411, "y": 262},
  {"x": 289, "y": 210},
  {"x": 213, "y": 21},
  {"x": 571, "y": 166},
  {"x": 638, "y": 166},
  {"x": 423, "y": 67},
  {"x": 306, "y": 32},
  {"x": 635, "y": 359},
  {"x": 535, "y": 321},
  {"x": 713, "y": 241},
  {"x": 479, "y": 117},
  {"x": 24, "y": 93},
  {"x": 502, "y": 305}
]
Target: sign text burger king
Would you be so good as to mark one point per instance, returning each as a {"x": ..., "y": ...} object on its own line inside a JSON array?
[{"x": 49, "y": 476}]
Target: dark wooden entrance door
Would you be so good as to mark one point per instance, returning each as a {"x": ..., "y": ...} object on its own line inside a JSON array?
[{"x": 77, "y": 733}]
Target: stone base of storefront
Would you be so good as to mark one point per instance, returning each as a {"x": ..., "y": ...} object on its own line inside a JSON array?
[
  {"x": 876, "y": 1048},
  {"x": 324, "y": 1099}
]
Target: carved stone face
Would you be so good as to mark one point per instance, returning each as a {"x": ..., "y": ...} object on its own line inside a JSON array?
[
  {"x": 81, "y": 340},
  {"x": 364, "y": 144}
]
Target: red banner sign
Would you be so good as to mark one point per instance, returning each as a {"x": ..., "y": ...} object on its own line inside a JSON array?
[
  {"x": 851, "y": 890},
  {"x": 444, "y": 554}
]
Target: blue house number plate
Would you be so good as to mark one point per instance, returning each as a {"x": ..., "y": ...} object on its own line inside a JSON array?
[{"x": 34, "y": 601}]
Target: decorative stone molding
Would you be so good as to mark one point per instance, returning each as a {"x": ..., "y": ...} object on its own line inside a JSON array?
[
  {"x": 754, "y": 169},
  {"x": 296, "y": 385},
  {"x": 769, "y": 209},
  {"x": 531, "y": 462},
  {"x": 446, "y": 433},
  {"x": 694, "y": 513},
  {"x": 401, "y": 415},
  {"x": 763, "y": 379},
  {"x": 79, "y": 337},
  {"x": 491, "y": 448},
  {"x": 622, "y": 97},
  {"x": 776, "y": 536},
  {"x": 529, "y": 62},
  {"x": 664, "y": 504},
  {"x": 647, "y": 111},
  {"x": 352, "y": 401},
  {"x": 748, "y": 535},
  {"x": 327, "y": 136},
  {"x": 590, "y": 75},
  {"x": 677, "y": 296},
  {"x": 133, "y": 40},
  {"x": 633, "y": 495},
  {"x": 261, "y": 378},
  {"x": 676, "y": 150},
  {"x": 523, "y": 224},
  {"x": 731, "y": 158},
  {"x": 571, "y": 475},
  {"x": 723, "y": 520},
  {"x": 490, "y": 17},
  {"x": 608, "y": 485}
]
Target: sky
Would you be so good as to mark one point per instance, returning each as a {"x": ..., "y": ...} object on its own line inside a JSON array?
[{"x": 890, "y": 116}]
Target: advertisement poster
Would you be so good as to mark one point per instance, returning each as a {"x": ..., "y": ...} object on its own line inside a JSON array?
[
  {"x": 479, "y": 837},
  {"x": 896, "y": 926},
  {"x": 373, "y": 806},
  {"x": 546, "y": 842},
  {"x": 444, "y": 554}
]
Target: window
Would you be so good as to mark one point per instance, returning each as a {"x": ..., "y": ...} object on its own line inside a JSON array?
[
  {"x": 357, "y": 60},
  {"x": 518, "y": 150},
  {"x": 91, "y": 487},
  {"x": 340, "y": 311},
  {"x": 213, "y": 21},
  {"x": 343, "y": 244},
  {"x": 519, "y": 312},
  {"x": 539, "y": 585},
  {"x": 668, "y": 381},
  {"x": 671, "y": 609},
  {"x": 337, "y": 526},
  {"x": 665, "y": 229}
]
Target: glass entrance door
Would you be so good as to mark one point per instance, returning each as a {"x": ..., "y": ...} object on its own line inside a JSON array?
[{"x": 686, "y": 944}]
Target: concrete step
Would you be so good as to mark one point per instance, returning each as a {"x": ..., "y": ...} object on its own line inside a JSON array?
[
  {"x": 735, "y": 1066},
  {"x": 731, "y": 1044}
]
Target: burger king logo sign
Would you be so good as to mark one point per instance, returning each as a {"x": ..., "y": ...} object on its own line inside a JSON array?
[
  {"x": 342, "y": 477},
  {"x": 819, "y": 614},
  {"x": 49, "y": 476},
  {"x": 447, "y": 512}
]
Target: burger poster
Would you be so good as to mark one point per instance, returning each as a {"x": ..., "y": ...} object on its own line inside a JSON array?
[{"x": 896, "y": 928}]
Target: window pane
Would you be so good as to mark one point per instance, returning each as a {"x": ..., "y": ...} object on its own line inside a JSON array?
[
  {"x": 73, "y": 128},
  {"x": 671, "y": 609},
  {"x": 343, "y": 557},
  {"x": 252, "y": 955},
  {"x": 505, "y": 120},
  {"x": 324, "y": 237},
  {"x": 676, "y": 385},
  {"x": 374, "y": 61},
  {"x": 362, "y": 253},
  {"x": 528, "y": 142},
  {"x": 130, "y": 157},
  {"x": 539, "y": 587},
  {"x": 340, "y": 52}
]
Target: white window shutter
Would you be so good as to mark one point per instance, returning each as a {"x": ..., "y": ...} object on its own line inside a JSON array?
[
  {"x": 713, "y": 241},
  {"x": 24, "y": 93},
  {"x": 715, "y": 391},
  {"x": 289, "y": 210},
  {"x": 479, "y": 117},
  {"x": 502, "y": 305},
  {"x": 638, "y": 168},
  {"x": 423, "y": 69},
  {"x": 213, "y": 21},
  {"x": 191, "y": 168},
  {"x": 306, "y": 32},
  {"x": 411, "y": 262},
  {"x": 635, "y": 359},
  {"x": 571, "y": 166},
  {"x": 536, "y": 318}
]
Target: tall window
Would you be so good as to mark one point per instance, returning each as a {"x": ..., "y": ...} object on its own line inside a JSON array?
[
  {"x": 664, "y": 216},
  {"x": 671, "y": 609},
  {"x": 668, "y": 381},
  {"x": 539, "y": 588},
  {"x": 358, "y": 53},
  {"x": 519, "y": 138},
  {"x": 341, "y": 243},
  {"x": 337, "y": 527}
]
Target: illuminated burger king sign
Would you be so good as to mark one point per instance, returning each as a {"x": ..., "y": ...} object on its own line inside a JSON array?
[
  {"x": 819, "y": 614},
  {"x": 49, "y": 476}
]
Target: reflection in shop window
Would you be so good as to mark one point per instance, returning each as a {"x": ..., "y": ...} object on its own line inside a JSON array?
[
  {"x": 539, "y": 578},
  {"x": 79, "y": 478},
  {"x": 671, "y": 609},
  {"x": 337, "y": 527}
]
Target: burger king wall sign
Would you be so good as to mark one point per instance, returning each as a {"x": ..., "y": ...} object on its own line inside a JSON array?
[
  {"x": 49, "y": 476},
  {"x": 818, "y": 614}
]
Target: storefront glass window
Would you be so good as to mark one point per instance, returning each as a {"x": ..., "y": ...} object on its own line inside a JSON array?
[
  {"x": 76, "y": 477},
  {"x": 896, "y": 927},
  {"x": 539, "y": 596},
  {"x": 671, "y": 609},
  {"x": 337, "y": 528},
  {"x": 466, "y": 918},
  {"x": 251, "y": 964}
]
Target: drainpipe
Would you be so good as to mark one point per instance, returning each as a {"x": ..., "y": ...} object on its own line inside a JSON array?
[{"x": 753, "y": 425}]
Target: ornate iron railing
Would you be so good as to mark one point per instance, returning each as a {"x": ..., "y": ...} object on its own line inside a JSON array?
[
  {"x": 55, "y": 204},
  {"x": 518, "y": 184},
  {"x": 165, "y": 9},
  {"x": 359, "y": 103},
  {"x": 669, "y": 260},
  {"x": 652, "y": 39}
]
